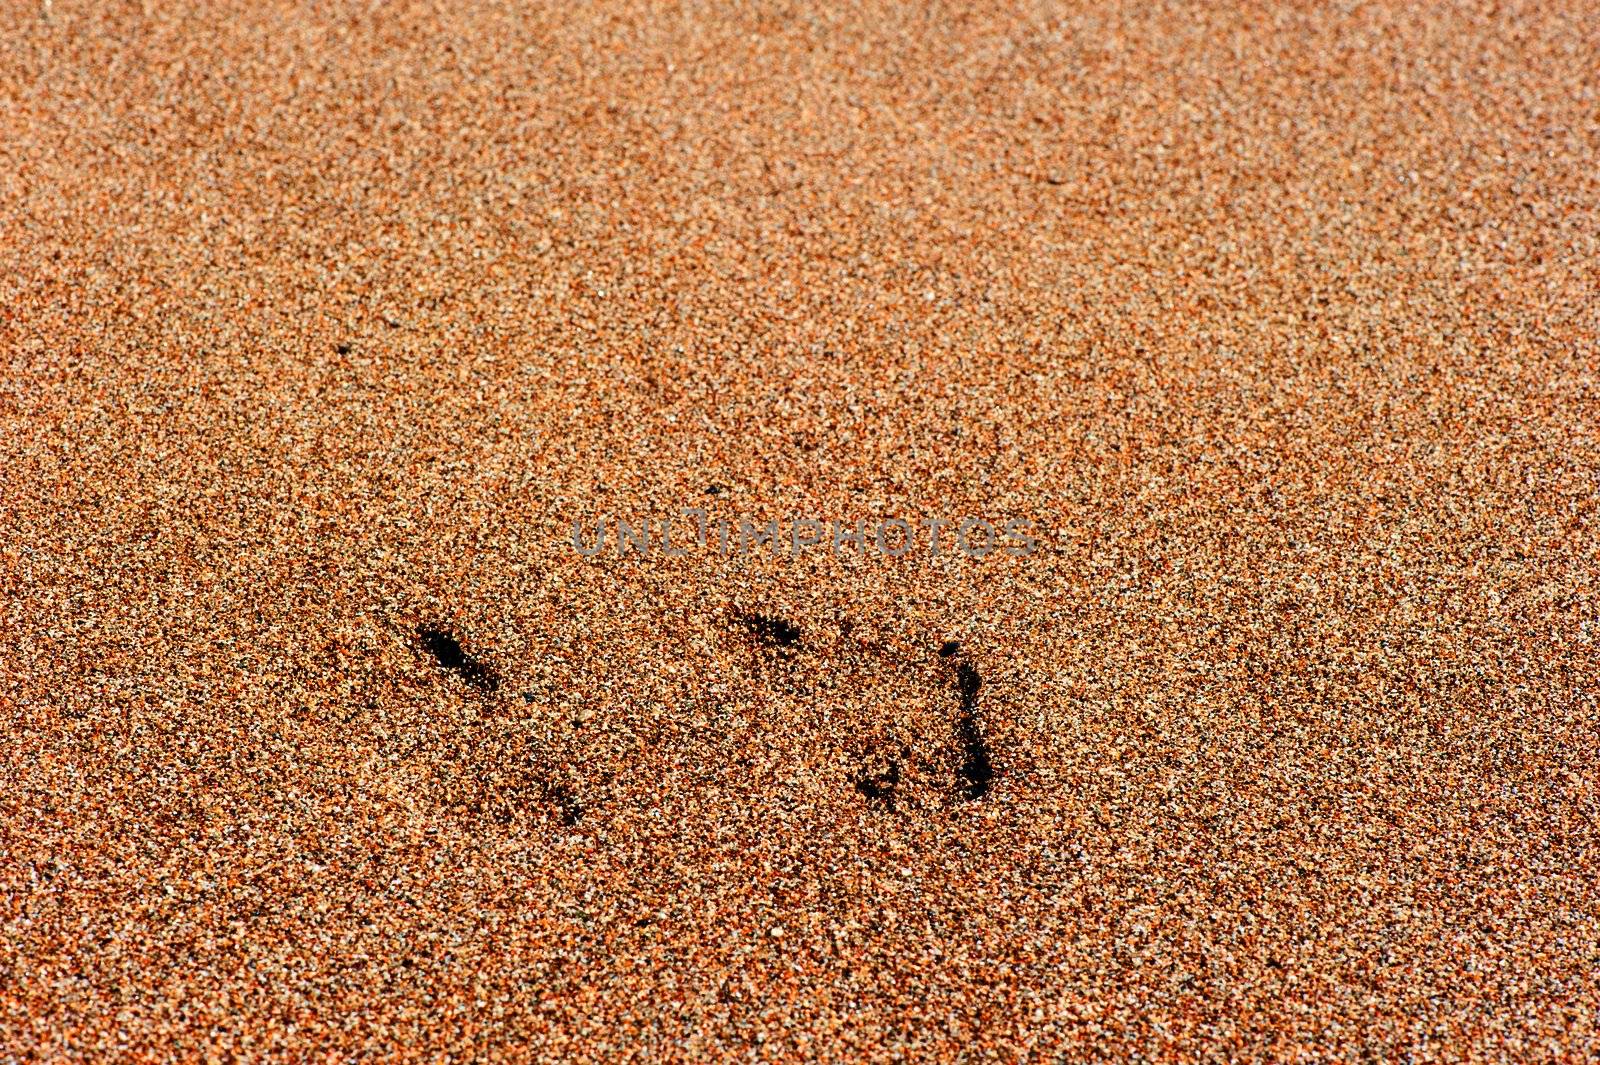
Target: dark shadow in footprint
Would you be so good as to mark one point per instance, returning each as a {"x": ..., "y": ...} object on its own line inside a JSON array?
[
  {"x": 565, "y": 803},
  {"x": 879, "y": 787},
  {"x": 977, "y": 767},
  {"x": 771, "y": 631},
  {"x": 446, "y": 650}
]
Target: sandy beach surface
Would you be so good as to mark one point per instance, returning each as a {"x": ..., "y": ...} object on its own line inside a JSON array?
[{"x": 323, "y": 325}]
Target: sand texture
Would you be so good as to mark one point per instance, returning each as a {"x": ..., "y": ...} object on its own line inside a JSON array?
[{"x": 322, "y": 325}]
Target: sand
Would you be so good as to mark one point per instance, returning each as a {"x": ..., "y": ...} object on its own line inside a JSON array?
[{"x": 324, "y": 324}]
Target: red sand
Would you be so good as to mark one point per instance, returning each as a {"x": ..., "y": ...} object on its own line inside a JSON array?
[{"x": 325, "y": 323}]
